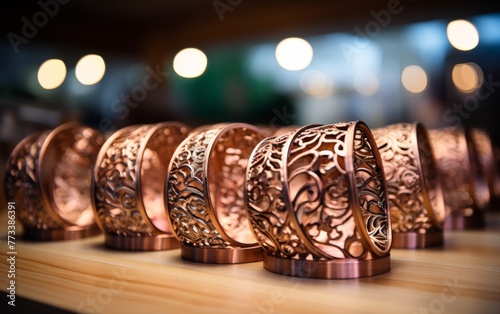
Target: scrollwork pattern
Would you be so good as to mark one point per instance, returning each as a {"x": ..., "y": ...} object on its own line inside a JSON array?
[
  {"x": 407, "y": 205},
  {"x": 187, "y": 206},
  {"x": 482, "y": 156},
  {"x": 451, "y": 162},
  {"x": 267, "y": 205},
  {"x": 310, "y": 215},
  {"x": 115, "y": 182},
  {"x": 316, "y": 163},
  {"x": 372, "y": 191},
  {"x": 22, "y": 183},
  {"x": 432, "y": 179}
]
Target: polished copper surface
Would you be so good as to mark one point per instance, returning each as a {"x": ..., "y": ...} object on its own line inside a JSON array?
[
  {"x": 458, "y": 176},
  {"x": 414, "y": 240},
  {"x": 48, "y": 175},
  {"x": 317, "y": 202},
  {"x": 234, "y": 255},
  {"x": 127, "y": 186},
  {"x": 204, "y": 193},
  {"x": 328, "y": 269},
  {"x": 415, "y": 196},
  {"x": 480, "y": 188},
  {"x": 156, "y": 242},
  {"x": 486, "y": 159}
]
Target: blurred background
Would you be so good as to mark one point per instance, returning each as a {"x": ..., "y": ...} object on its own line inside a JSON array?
[{"x": 273, "y": 63}]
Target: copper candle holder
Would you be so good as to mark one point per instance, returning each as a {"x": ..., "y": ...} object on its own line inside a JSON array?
[
  {"x": 48, "y": 175},
  {"x": 486, "y": 162},
  {"x": 204, "y": 193},
  {"x": 317, "y": 202},
  {"x": 457, "y": 165},
  {"x": 127, "y": 186},
  {"x": 415, "y": 196},
  {"x": 480, "y": 188}
]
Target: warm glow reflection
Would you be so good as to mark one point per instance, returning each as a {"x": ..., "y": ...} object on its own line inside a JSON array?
[
  {"x": 462, "y": 35},
  {"x": 90, "y": 69},
  {"x": 51, "y": 73},
  {"x": 467, "y": 77},
  {"x": 317, "y": 84},
  {"x": 190, "y": 62},
  {"x": 294, "y": 54},
  {"x": 366, "y": 83},
  {"x": 414, "y": 79}
]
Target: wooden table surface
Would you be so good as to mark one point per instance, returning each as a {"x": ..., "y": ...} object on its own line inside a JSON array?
[{"x": 463, "y": 276}]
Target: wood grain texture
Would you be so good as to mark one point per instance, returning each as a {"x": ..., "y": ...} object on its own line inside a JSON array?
[{"x": 463, "y": 276}]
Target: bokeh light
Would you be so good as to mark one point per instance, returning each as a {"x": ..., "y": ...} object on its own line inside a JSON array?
[
  {"x": 414, "y": 79},
  {"x": 462, "y": 35},
  {"x": 51, "y": 73},
  {"x": 467, "y": 77},
  {"x": 90, "y": 69},
  {"x": 294, "y": 54},
  {"x": 190, "y": 63}
]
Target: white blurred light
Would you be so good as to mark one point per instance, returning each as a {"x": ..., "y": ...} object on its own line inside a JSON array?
[
  {"x": 52, "y": 73},
  {"x": 90, "y": 69},
  {"x": 366, "y": 83},
  {"x": 316, "y": 83},
  {"x": 462, "y": 35},
  {"x": 294, "y": 54},
  {"x": 467, "y": 77},
  {"x": 414, "y": 79},
  {"x": 190, "y": 63}
]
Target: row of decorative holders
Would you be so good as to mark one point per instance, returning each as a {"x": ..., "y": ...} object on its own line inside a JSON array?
[{"x": 317, "y": 201}]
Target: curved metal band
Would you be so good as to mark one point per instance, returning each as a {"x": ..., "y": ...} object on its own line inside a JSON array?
[
  {"x": 127, "y": 186},
  {"x": 328, "y": 269},
  {"x": 415, "y": 194},
  {"x": 486, "y": 155},
  {"x": 318, "y": 194},
  {"x": 430, "y": 180},
  {"x": 204, "y": 193},
  {"x": 48, "y": 174},
  {"x": 479, "y": 172},
  {"x": 455, "y": 168}
]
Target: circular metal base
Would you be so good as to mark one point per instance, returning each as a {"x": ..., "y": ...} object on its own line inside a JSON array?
[
  {"x": 222, "y": 256},
  {"x": 333, "y": 269},
  {"x": 68, "y": 233},
  {"x": 476, "y": 221},
  {"x": 159, "y": 242},
  {"x": 414, "y": 240}
]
